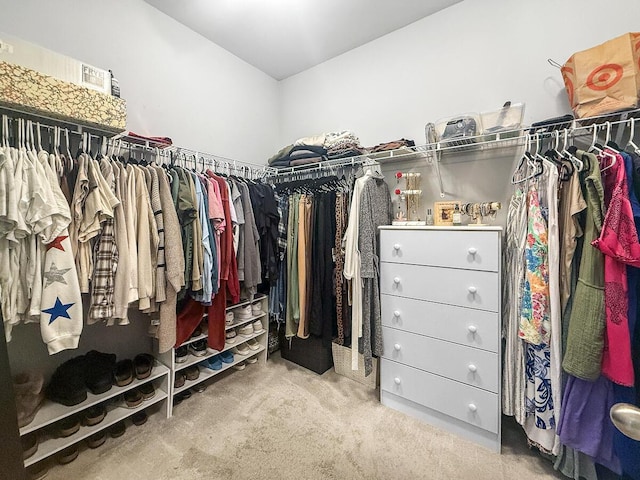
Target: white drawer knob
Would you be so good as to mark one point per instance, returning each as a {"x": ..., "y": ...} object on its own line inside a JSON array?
[
  {"x": 472, "y": 290},
  {"x": 396, "y": 313},
  {"x": 396, "y": 280},
  {"x": 396, "y": 246},
  {"x": 397, "y": 380},
  {"x": 472, "y": 407},
  {"x": 472, "y": 368},
  {"x": 397, "y": 346},
  {"x": 472, "y": 251},
  {"x": 472, "y": 328}
]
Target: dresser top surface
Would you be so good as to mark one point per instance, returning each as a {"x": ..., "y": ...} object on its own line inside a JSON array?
[{"x": 472, "y": 228}]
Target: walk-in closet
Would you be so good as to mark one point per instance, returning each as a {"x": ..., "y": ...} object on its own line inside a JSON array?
[{"x": 319, "y": 240}]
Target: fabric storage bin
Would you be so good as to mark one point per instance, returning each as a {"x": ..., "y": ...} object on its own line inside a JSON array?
[
  {"x": 33, "y": 92},
  {"x": 342, "y": 366},
  {"x": 308, "y": 353}
]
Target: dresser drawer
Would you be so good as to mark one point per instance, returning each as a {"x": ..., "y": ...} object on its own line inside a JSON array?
[
  {"x": 463, "y": 249},
  {"x": 465, "y": 288},
  {"x": 475, "y": 328},
  {"x": 457, "y": 362},
  {"x": 469, "y": 404}
]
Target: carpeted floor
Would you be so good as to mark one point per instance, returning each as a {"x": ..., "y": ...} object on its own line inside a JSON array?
[{"x": 282, "y": 422}]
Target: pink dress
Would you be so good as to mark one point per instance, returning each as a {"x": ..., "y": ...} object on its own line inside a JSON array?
[{"x": 618, "y": 242}]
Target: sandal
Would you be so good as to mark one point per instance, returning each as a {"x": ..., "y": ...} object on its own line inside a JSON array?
[{"x": 143, "y": 364}]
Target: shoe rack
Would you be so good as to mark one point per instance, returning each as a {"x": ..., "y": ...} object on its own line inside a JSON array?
[
  {"x": 205, "y": 373},
  {"x": 44, "y": 423}
]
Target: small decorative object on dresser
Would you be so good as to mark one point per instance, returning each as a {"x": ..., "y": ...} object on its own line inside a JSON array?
[{"x": 441, "y": 327}]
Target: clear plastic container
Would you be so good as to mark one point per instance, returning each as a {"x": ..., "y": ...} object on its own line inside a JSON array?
[
  {"x": 459, "y": 130},
  {"x": 505, "y": 119}
]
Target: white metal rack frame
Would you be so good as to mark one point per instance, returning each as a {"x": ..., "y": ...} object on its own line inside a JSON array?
[
  {"x": 205, "y": 373},
  {"x": 614, "y": 125},
  {"x": 51, "y": 412}
]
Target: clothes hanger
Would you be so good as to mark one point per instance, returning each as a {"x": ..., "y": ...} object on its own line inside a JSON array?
[
  {"x": 566, "y": 153},
  {"x": 606, "y": 152},
  {"x": 630, "y": 143},
  {"x": 527, "y": 159}
]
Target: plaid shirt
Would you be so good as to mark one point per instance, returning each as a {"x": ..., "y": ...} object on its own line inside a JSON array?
[
  {"x": 283, "y": 211},
  {"x": 105, "y": 263}
]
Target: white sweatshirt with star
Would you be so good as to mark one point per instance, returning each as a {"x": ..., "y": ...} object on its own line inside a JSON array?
[{"x": 61, "y": 303}]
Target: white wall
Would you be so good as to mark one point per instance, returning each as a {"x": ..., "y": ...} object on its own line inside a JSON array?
[
  {"x": 472, "y": 56},
  {"x": 176, "y": 82}
]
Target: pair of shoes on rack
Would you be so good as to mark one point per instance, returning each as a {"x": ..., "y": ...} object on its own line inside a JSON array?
[
  {"x": 243, "y": 313},
  {"x": 71, "y": 380},
  {"x": 246, "y": 347},
  {"x": 243, "y": 364},
  {"x": 134, "y": 397},
  {"x": 97, "y": 439},
  {"x": 94, "y": 415},
  {"x": 216, "y": 362},
  {"x": 192, "y": 372},
  {"x": 118, "y": 429},
  {"x": 228, "y": 319},
  {"x": 181, "y": 354},
  {"x": 198, "y": 348},
  {"x": 256, "y": 309},
  {"x": 251, "y": 329},
  {"x": 125, "y": 371}
]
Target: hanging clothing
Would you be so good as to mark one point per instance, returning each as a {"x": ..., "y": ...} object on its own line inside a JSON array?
[
  {"x": 585, "y": 340},
  {"x": 513, "y": 365},
  {"x": 352, "y": 266},
  {"x": 618, "y": 242},
  {"x": 375, "y": 211}
]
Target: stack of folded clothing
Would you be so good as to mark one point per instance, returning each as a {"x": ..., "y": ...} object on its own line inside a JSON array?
[
  {"x": 343, "y": 144},
  {"x": 303, "y": 151},
  {"x": 396, "y": 144}
]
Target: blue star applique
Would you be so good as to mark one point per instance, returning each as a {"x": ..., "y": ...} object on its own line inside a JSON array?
[{"x": 58, "y": 310}]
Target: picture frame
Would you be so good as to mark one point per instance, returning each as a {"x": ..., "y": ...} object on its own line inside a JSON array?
[{"x": 443, "y": 213}]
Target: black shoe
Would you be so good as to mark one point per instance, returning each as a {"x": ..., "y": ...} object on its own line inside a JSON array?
[
  {"x": 67, "y": 455},
  {"x": 133, "y": 398},
  {"x": 147, "y": 390},
  {"x": 123, "y": 373},
  {"x": 67, "y": 385},
  {"x": 99, "y": 371},
  {"x": 179, "y": 379},
  {"x": 143, "y": 364},
  {"x": 97, "y": 439},
  {"x": 197, "y": 332},
  {"x": 94, "y": 415},
  {"x": 181, "y": 354},
  {"x": 192, "y": 372},
  {"x": 118, "y": 429},
  {"x": 139, "y": 418},
  {"x": 199, "y": 348},
  {"x": 68, "y": 426},
  {"x": 199, "y": 388},
  {"x": 29, "y": 444}
]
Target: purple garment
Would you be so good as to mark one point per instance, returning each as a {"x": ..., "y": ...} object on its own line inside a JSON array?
[{"x": 584, "y": 424}]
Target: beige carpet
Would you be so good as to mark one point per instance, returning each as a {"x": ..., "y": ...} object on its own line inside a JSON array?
[{"x": 282, "y": 422}]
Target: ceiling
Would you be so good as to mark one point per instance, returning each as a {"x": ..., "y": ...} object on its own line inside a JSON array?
[{"x": 285, "y": 37}]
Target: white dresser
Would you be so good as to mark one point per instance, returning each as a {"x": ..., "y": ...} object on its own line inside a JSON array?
[{"x": 441, "y": 302}]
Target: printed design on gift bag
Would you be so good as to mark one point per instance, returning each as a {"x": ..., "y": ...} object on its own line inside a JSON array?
[
  {"x": 566, "y": 71},
  {"x": 600, "y": 78}
]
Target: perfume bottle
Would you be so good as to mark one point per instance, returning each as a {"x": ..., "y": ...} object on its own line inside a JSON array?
[
  {"x": 429, "y": 217},
  {"x": 457, "y": 216}
]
